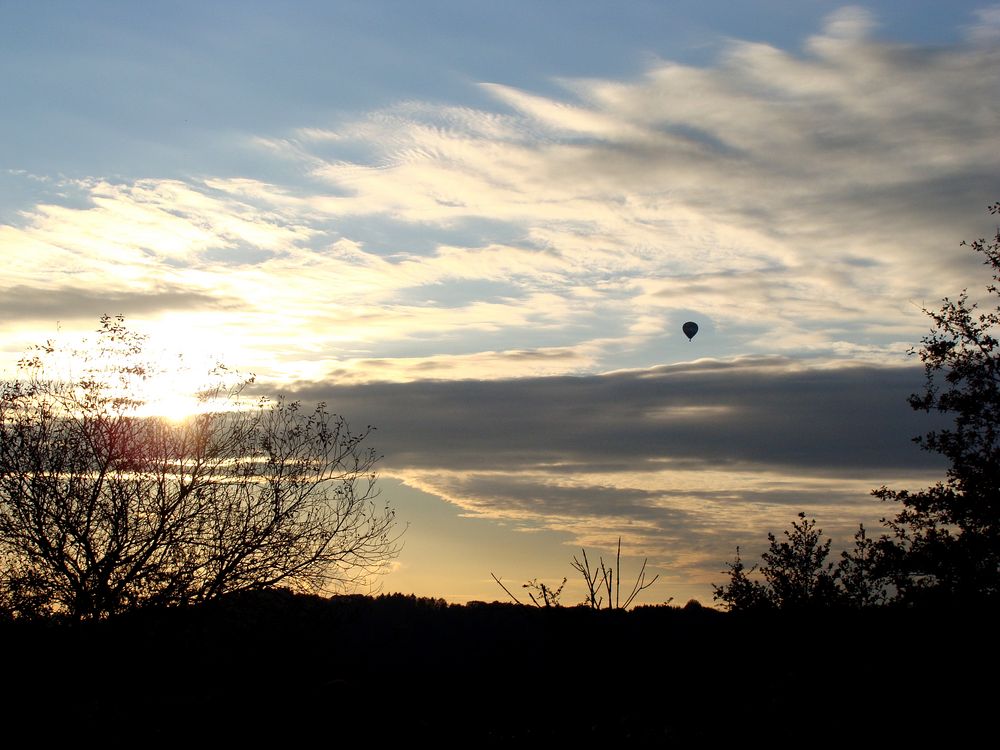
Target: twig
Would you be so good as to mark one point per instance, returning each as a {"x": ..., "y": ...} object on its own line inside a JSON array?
[
  {"x": 506, "y": 589},
  {"x": 618, "y": 571}
]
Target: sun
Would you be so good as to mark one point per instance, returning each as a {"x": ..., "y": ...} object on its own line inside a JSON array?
[
  {"x": 175, "y": 390},
  {"x": 150, "y": 374},
  {"x": 173, "y": 407},
  {"x": 168, "y": 395}
]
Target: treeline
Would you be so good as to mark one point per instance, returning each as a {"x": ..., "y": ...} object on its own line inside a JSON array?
[{"x": 796, "y": 574}]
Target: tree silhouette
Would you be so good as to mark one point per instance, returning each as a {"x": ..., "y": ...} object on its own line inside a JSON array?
[
  {"x": 609, "y": 581},
  {"x": 103, "y": 509},
  {"x": 946, "y": 538},
  {"x": 796, "y": 569},
  {"x": 795, "y": 572},
  {"x": 602, "y": 581},
  {"x": 862, "y": 572},
  {"x": 742, "y": 593}
]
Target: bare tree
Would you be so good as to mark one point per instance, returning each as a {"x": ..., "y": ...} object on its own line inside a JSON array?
[
  {"x": 103, "y": 508},
  {"x": 601, "y": 581},
  {"x": 609, "y": 580}
]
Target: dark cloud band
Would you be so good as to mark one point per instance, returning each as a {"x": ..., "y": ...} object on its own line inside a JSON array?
[
  {"x": 751, "y": 412},
  {"x": 24, "y": 302}
]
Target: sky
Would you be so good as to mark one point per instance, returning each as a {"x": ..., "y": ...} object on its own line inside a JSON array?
[{"x": 480, "y": 227}]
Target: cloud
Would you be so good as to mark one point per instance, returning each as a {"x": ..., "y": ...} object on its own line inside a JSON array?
[
  {"x": 762, "y": 412},
  {"x": 65, "y": 303},
  {"x": 136, "y": 238},
  {"x": 684, "y": 461},
  {"x": 987, "y": 30},
  {"x": 804, "y": 203},
  {"x": 819, "y": 193},
  {"x": 849, "y": 24},
  {"x": 851, "y": 113},
  {"x": 484, "y": 365},
  {"x": 686, "y": 530}
]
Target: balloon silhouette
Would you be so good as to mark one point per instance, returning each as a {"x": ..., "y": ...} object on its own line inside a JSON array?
[{"x": 690, "y": 329}]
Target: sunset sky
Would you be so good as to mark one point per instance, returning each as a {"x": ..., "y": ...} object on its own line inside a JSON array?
[{"x": 480, "y": 226}]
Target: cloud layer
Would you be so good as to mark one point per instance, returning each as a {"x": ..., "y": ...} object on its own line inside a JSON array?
[
  {"x": 805, "y": 203},
  {"x": 684, "y": 462}
]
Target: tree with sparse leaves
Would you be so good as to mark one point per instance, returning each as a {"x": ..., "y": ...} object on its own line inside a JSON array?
[
  {"x": 946, "y": 538},
  {"x": 104, "y": 508}
]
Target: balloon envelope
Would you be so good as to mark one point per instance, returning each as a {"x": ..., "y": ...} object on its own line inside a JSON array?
[{"x": 690, "y": 329}]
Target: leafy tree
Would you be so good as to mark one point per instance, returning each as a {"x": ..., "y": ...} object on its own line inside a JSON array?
[
  {"x": 742, "y": 593},
  {"x": 946, "y": 538},
  {"x": 796, "y": 569},
  {"x": 795, "y": 573},
  {"x": 862, "y": 574},
  {"x": 103, "y": 509}
]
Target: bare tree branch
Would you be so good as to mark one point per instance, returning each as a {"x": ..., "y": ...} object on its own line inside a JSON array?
[{"x": 518, "y": 601}]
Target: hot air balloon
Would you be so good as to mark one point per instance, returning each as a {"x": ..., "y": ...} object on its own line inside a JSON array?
[{"x": 690, "y": 329}]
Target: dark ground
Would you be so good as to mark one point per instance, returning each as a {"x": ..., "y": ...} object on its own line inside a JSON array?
[{"x": 273, "y": 666}]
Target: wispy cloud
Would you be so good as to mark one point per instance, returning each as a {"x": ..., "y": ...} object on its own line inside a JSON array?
[
  {"x": 801, "y": 202},
  {"x": 821, "y": 194}
]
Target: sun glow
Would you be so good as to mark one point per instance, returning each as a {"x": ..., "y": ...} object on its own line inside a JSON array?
[
  {"x": 174, "y": 407},
  {"x": 176, "y": 391},
  {"x": 167, "y": 386}
]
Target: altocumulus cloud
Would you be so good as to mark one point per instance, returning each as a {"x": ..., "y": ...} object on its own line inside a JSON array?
[
  {"x": 803, "y": 201},
  {"x": 815, "y": 192}
]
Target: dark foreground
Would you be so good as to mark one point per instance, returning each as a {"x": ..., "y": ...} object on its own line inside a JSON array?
[{"x": 278, "y": 667}]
